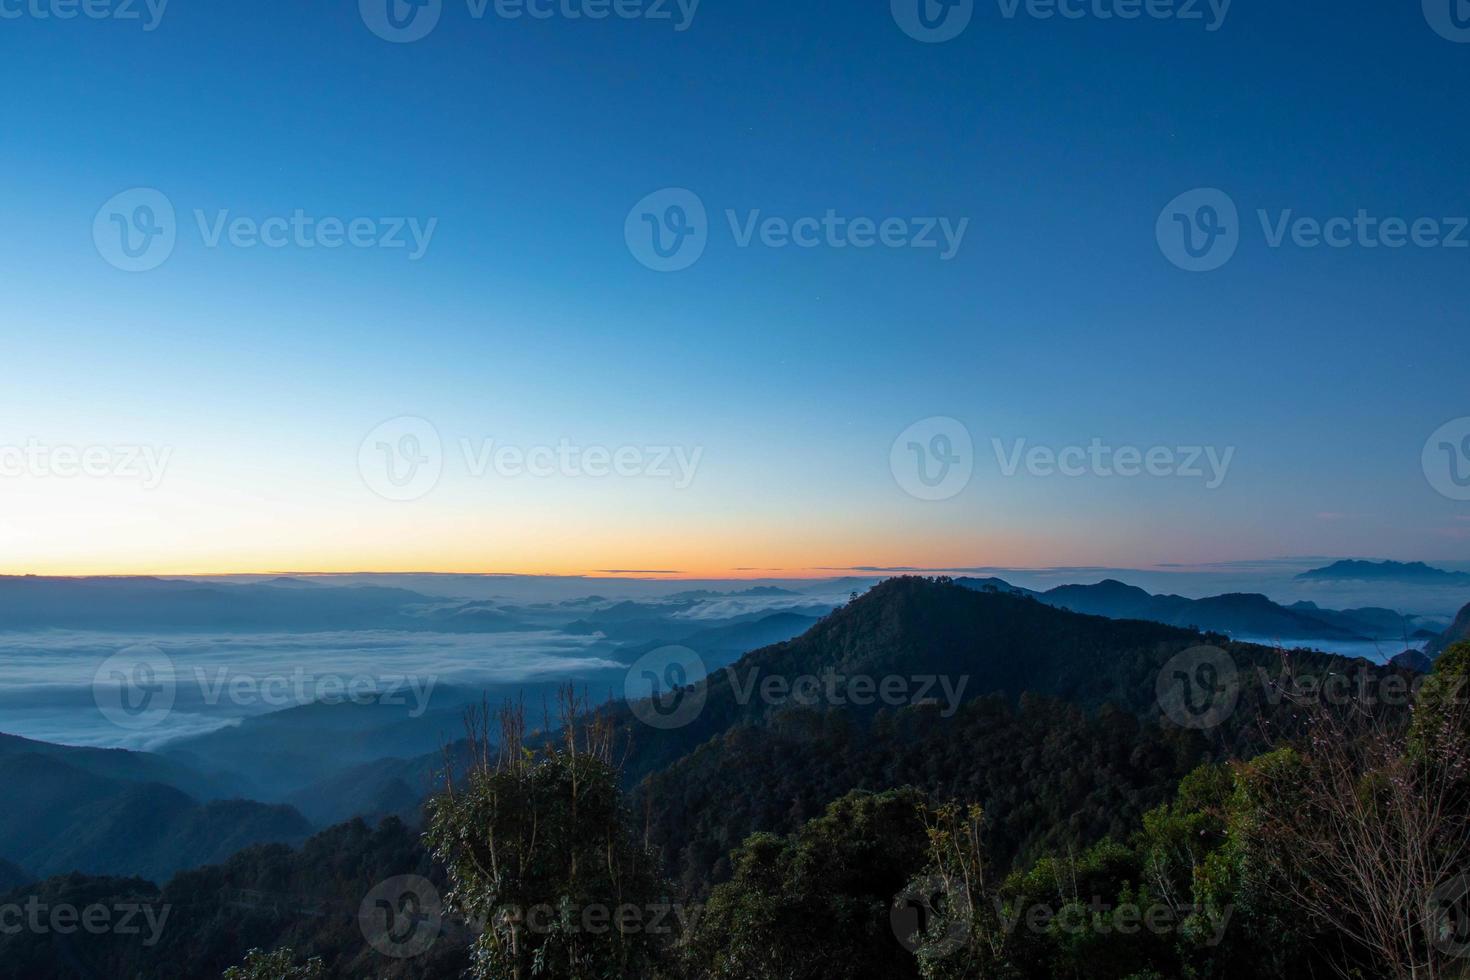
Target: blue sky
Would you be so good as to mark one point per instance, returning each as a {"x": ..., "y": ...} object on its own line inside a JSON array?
[{"x": 529, "y": 321}]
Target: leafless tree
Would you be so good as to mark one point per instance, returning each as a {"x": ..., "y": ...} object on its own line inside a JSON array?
[{"x": 1363, "y": 827}]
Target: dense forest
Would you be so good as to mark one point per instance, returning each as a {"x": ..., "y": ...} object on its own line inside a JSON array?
[{"x": 1054, "y": 821}]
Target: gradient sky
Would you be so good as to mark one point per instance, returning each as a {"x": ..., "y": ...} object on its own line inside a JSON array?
[{"x": 528, "y": 321}]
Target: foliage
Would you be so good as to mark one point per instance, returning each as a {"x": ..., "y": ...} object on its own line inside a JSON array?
[
  {"x": 279, "y": 964},
  {"x": 816, "y": 904},
  {"x": 539, "y": 853}
]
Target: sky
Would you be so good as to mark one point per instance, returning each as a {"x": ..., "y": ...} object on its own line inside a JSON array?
[{"x": 503, "y": 373}]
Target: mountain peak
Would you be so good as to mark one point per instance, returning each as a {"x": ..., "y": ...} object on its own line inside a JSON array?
[{"x": 1393, "y": 571}]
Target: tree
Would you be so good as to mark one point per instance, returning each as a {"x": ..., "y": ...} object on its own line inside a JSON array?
[
  {"x": 816, "y": 904},
  {"x": 540, "y": 858},
  {"x": 278, "y": 964},
  {"x": 1365, "y": 824}
]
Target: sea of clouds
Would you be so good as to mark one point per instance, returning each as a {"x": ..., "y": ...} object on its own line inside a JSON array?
[{"x": 46, "y": 689}]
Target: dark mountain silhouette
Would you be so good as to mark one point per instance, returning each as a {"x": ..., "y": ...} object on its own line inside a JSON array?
[
  {"x": 1005, "y": 644},
  {"x": 1412, "y": 573},
  {"x": 264, "y": 896},
  {"x": 1238, "y": 614},
  {"x": 1414, "y": 660},
  {"x": 1373, "y": 622},
  {"x": 59, "y": 819},
  {"x": 278, "y": 755},
  {"x": 1458, "y": 630},
  {"x": 122, "y": 765},
  {"x": 1085, "y": 686}
]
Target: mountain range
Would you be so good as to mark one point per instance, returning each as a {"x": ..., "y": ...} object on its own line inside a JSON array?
[
  {"x": 1237, "y": 614},
  {"x": 125, "y": 813},
  {"x": 1411, "y": 573},
  {"x": 1057, "y": 732}
]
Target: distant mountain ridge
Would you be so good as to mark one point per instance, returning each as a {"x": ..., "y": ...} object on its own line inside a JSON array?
[
  {"x": 1236, "y": 614},
  {"x": 1414, "y": 572},
  {"x": 59, "y": 819},
  {"x": 145, "y": 603}
]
